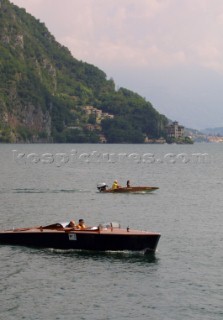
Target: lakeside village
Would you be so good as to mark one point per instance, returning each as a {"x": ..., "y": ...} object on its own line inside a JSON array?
[{"x": 174, "y": 132}]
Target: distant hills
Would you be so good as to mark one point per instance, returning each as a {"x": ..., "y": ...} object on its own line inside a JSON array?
[
  {"x": 213, "y": 131},
  {"x": 46, "y": 95}
]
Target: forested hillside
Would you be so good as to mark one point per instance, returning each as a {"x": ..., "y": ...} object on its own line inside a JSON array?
[{"x": 46, "y": 95}]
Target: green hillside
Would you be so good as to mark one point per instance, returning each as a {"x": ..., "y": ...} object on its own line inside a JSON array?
[{"x": 45, "y": 93}]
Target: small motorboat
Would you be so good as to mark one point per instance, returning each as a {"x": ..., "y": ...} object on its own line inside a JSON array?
[
  {"x": 102, "y": 187},
  {"x": 105, "y": 237}
]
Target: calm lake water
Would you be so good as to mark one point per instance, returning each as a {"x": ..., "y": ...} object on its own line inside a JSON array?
[{"x": 42, "y": 184}]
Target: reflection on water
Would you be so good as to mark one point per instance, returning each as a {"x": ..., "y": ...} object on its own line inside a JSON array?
[{"x": 124, "y": 256}]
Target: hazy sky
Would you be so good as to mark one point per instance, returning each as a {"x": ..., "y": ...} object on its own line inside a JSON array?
[{"x": 168, "y": 51}]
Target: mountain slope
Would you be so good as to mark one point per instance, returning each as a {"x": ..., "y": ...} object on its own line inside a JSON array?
[{"x": 44, "y": 91}]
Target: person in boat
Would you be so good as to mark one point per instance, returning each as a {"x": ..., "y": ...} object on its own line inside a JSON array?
[
  {"x": 115, "y": 185},
  {"x": 81, "y": 224},
  {"x": 128, "y": 184},
  {"x": 71, "y": 224}
]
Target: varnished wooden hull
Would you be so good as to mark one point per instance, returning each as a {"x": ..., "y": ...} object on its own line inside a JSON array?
[
  {"x": 108, "y": 239},
  {"x": 130, "y": 190}
]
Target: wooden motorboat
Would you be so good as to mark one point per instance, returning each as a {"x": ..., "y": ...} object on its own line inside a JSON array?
[
  {"x": 105, "y": 237},
  {"x": 102, "y": 187}
]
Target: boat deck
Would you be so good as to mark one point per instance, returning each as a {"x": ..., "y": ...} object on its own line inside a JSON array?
[{"x": 109, "y": 231}]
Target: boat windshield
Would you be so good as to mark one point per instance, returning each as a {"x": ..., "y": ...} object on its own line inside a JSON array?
[{"x": 109, "y": 225}]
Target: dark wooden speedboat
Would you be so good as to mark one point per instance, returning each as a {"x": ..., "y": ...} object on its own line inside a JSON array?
[
  {"x": 102, "y": 187},
  {"x": 106, "y": 237}
]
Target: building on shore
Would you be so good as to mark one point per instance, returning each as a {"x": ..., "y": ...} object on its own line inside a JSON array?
[{"x": 174, "y": 130}]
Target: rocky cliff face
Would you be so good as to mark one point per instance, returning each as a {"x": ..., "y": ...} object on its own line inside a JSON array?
[
  {"x": 21, "y": 117},
  {"x": 29, "y": 117}
]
